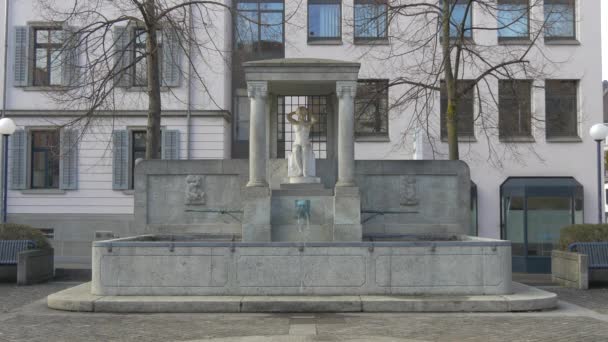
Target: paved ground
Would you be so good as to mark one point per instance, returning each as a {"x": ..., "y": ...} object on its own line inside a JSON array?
[{"x": 582, "y": 316}]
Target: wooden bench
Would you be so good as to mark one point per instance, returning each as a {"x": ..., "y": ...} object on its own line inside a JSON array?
[{"x": 597, "y": 252}]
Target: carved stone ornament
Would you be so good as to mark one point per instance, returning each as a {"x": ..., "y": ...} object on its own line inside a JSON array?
[
  {"x": 409, "y": 191},
  {"x": 257, "y": 89},
  {"x": 346, "y": 88},
  {"x": 194, "y": 190}
]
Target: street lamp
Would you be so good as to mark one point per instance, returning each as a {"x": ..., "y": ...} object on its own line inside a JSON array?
[
  {"x": 7, "y": 127},
  {"x": 599, "y": 132}
]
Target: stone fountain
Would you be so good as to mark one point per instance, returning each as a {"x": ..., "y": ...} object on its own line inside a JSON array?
[{"x": 303, "y": 227}]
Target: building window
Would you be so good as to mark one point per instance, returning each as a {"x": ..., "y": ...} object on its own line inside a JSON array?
[
  {"x": 47, "y": 56},
  {"x": 258, "y": 33},
  {"x": 138, "y": 150},
  {"x": 514, "y": 108},
  {"x": 324, "y": 19},
  {"x": 371, "y": 108},
  {"x": 513, "y": 19},
  {"x": 559, "y": 19},
  {"x": 461, "y": 12},
  {"x": 317, "y": 107},
  {"x": 464, "y": 109},
  {"x": 561, "y": 108},
  {"x": 370, "y": 19},
  {"x": 140, "y": 69},
  {"x": 259, "y": 28},
  {"x": 45, "y": 159}
]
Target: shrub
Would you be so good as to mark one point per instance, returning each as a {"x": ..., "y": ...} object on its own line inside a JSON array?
[
  {"x": 13, "y": 231},
  {"x": 582, "y": 233}
]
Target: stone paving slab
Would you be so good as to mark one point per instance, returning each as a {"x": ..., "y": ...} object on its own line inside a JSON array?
[
  {"x": 524, "y": 298},
  {"x": 35, "y": 322}
]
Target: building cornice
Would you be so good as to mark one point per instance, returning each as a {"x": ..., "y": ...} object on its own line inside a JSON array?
[{"x": 119, "y": 113}]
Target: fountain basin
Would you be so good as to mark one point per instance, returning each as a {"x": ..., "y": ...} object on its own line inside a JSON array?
[{"x": 219, "y": 265}]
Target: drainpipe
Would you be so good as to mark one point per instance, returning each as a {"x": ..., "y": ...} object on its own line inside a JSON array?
[
  {"x": 189, "y": 96},
  {"x": 4, "y": 161},
  {"x": 6, "y": 12}
]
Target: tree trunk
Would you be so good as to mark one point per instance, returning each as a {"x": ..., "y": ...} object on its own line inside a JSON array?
[
  {"x": 154, "y": 101},
  {"x": 451, "y": 115}
]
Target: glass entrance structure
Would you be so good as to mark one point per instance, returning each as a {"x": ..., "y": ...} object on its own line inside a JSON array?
[{"x": 533, "y": 210}]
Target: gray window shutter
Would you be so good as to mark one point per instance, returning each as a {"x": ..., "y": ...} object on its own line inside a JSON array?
[
  {"x": 120, "y": 160},
  {"x": 21, "y": 56},
  {"x": 69, "y": 57},
  {"x": 124, "y": 55},
  {"x": 18, "y": 154},
  {"x": 68, "y": 162},
  {"x": 170, "y": 144},
  {"x": 171, "y": 72}
]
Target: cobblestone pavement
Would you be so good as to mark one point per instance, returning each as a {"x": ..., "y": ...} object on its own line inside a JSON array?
[
  {"x": 35, "y": 322},
  {"x": 595, "y": 299},
  {"x": 13, "y": 296}
]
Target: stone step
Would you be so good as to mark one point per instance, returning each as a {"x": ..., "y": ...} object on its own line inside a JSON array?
[
  {"x": 302, "y": 189},
  {"x": 303, "y": 192},
  {"x": 524, "y": 298},
  {"x": 301, "y": 186}
]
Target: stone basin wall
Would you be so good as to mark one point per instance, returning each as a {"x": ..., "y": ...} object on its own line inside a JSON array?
[
  {"x": 472, "y": 266},
  {"x": 396, "y": 196}
]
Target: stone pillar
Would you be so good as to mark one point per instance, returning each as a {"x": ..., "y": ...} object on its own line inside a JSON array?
[
  {"x": 346, "y": 91},
  {"x": 258, "y": 93},
  {"x": 347, "y": 200}
]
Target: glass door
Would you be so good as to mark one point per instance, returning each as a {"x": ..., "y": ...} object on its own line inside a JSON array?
[{"x": 545, "y": 217}]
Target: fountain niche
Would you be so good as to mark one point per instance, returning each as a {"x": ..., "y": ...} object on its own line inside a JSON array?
[{"x": 300, "y": 226}]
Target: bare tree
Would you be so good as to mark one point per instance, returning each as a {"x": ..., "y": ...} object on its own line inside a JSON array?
[
  {"x": 432, "y": 49},
  {"x": 117, "y": 44}
]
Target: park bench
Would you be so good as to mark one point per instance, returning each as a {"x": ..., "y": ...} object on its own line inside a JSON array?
[
  {"x": 597, "y": 253},
  {"x": 9, "y": 250},
  {"x": 19, "y": 260}
]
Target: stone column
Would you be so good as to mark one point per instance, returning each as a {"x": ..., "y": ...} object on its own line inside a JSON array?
[
  {"x": 346, "y": 91},
  {"x": 258, "y": 93}
]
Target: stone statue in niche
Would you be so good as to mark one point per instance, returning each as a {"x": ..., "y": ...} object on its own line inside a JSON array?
[
  {"x": 409, "y": 191},
  {"x": 194, "y": 190},
  {"x": 301, "y": 162}
]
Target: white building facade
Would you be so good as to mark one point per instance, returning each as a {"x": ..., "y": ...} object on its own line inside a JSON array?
[{"x": 72, "y": 193}]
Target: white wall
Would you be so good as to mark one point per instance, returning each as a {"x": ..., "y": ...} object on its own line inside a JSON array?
[
  {"x": 540, "y": 158},
  {"x": 211, "y": 138},
  {"x": 95, "y": 194},
  {"x": 209, "y": 61}
]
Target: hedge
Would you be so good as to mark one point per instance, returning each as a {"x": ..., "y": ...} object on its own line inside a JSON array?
[
  {"x": 13, "y": 231},
  {"x": 582, "y": 233}
]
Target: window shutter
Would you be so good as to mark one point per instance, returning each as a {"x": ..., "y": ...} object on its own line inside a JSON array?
[
  {"x": 21, "y": 56},
  {"x": 70, "y": 54},
  {"x": 68, "y": 163},
  {"x": 123, "y": 44},
  {"x": 171, "y": 59},
  {"x": 120, "y": 160},
  {"x": 170, "y": 144},
  {"x": 17, "y": 155}
]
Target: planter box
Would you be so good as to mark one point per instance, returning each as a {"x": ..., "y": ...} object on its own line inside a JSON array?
[
  {"x": 570, "y": 269},
  {"x": 33, "y": 266}
]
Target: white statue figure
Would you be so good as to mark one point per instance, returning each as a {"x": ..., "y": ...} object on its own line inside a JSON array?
[{"x": 301, "y": 163}]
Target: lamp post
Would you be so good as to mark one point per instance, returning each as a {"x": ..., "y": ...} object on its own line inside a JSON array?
[
  {"x": 599, "y": 132},
  {"x": 7, "y": 127}
]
